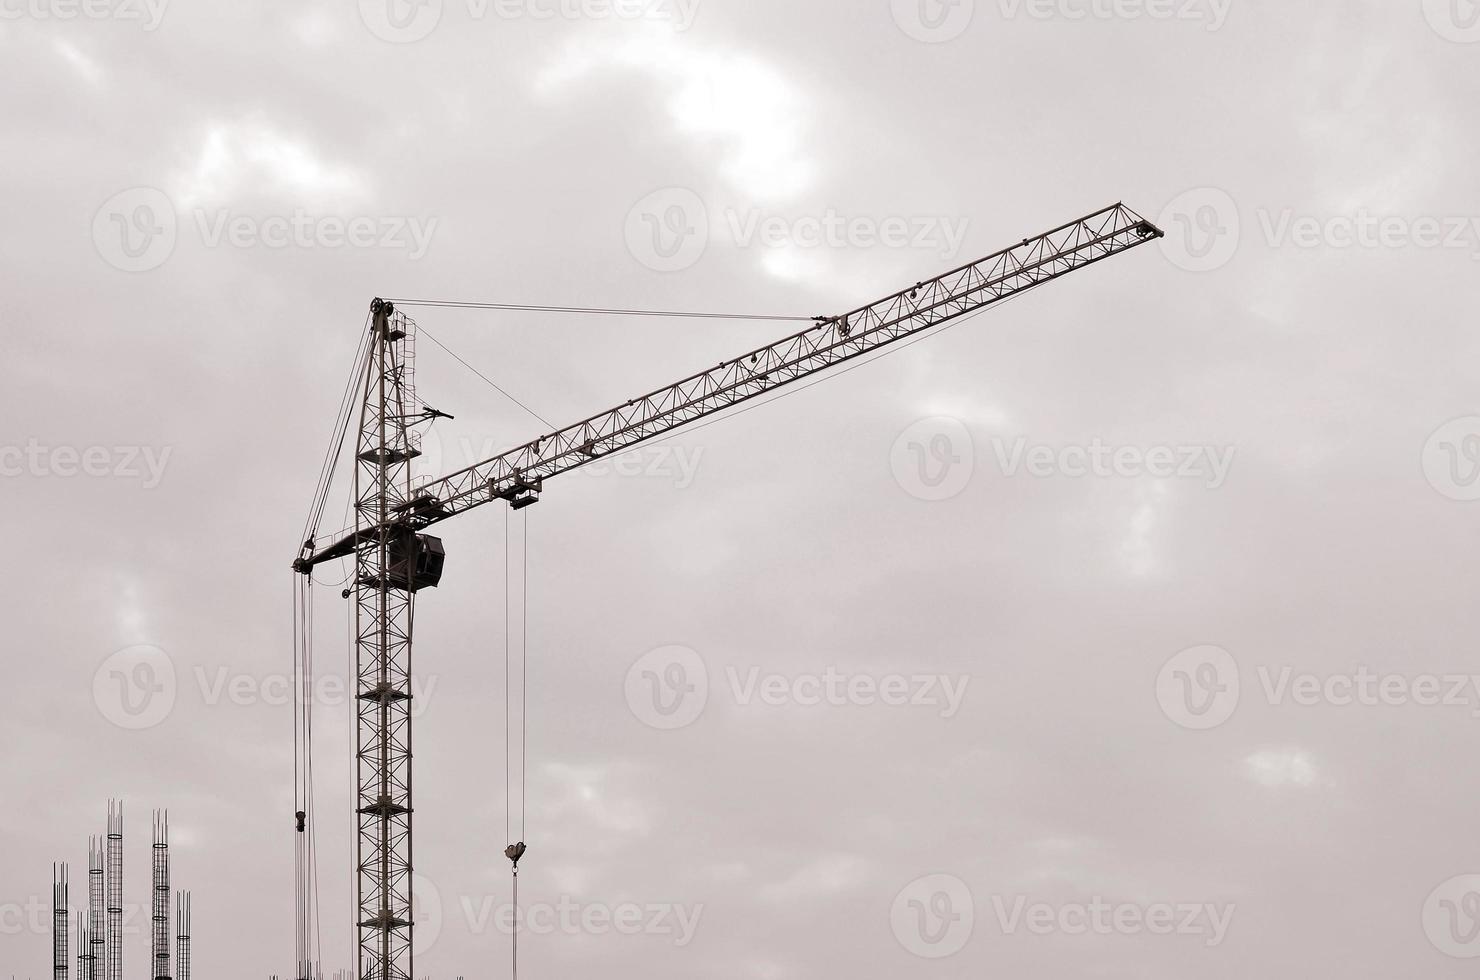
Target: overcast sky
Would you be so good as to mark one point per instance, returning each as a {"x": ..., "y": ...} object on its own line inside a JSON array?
[{"x": 1123, "y": 632}]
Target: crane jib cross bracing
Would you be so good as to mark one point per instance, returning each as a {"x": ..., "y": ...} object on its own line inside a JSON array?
[{"x": 394, "y": 560}]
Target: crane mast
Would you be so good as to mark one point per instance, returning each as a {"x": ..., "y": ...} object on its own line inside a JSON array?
[
  {"x": 394, "y": 560},
  {"x": 385, "y": 588}
]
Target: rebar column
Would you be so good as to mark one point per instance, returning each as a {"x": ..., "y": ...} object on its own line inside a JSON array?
[
  {"x": 113, "y": 947},
  {"x": 182, "y": 936},
  {"x": 59, "y": 926},
  {"x": 161, "y": 905},
  {"x": 92, "y": 946}
]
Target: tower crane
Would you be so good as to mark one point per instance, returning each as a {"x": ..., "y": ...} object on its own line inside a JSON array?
[{"x": 395, "y": 558}]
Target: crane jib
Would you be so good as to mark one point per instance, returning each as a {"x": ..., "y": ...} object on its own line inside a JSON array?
[{"x": 517, "y": 476}]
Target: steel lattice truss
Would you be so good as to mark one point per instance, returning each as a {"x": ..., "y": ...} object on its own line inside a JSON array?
[
  {"x": 383, "y": 618},
  {"x": 517, "y": 475}
]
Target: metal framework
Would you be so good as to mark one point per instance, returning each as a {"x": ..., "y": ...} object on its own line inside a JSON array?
[
  {"x": 182, "y": 936},
  {"x": 100, "y": 928},
  {"x": 384, "y": 607},
  {"x": 392, "y": 560},
  {"x": 60, "y": 928},
  {"x": 93, "y": 945},
  {"x": 113, "y": 948},
  {"x": 160, "y": 919}
]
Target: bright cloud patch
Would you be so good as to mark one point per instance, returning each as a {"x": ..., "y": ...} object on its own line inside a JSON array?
[
  {"x": 1281, "y": 767},
  {"x": 80, "y": 63},
  {"x": 734, "y": 101},
  {"x": 252, "y": 155},
  {"x": 824, "y": 876},
  {"x": 1138, "y": 548}
]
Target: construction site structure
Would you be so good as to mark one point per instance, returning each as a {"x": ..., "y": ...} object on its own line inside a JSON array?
[
  {"x": 100, "y": 926},
  {"x": 94, "y": 944},
  {"x": 59, "y": 927},
  {"x": 182, "y": 936},
  {"x": 113, "y": 885},
  {"x": 394, "y": 559},
  {"x": 160, "y": 912}
]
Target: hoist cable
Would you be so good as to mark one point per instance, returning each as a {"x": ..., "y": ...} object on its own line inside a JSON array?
[
  {"x": 592, "y": 310},
  {"x": 508, "y": 741},
  {"x": 307, "y": 937},
  {"x": 336, "y": 442},
  {"x": 524, "y": 684},
  {"x": 312, "y": 885},
  {"x": 515, "y": 850},
  {"x": 299, "y": 855}
]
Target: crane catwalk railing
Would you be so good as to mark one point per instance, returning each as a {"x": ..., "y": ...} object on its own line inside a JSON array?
[{"x": 519, "y": 472}]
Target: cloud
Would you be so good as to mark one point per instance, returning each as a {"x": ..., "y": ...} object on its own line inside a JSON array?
[
  {"x": 85, "y": 67},
  {"x": 1138, "y": 551},
  {"x": 729, "y": 100},
  {"x": 824, "y": 876},
  {"x": 315, "y": 28},
  {"x": 1275, "y": 768},
  {"x": 251, "y": 154}
]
